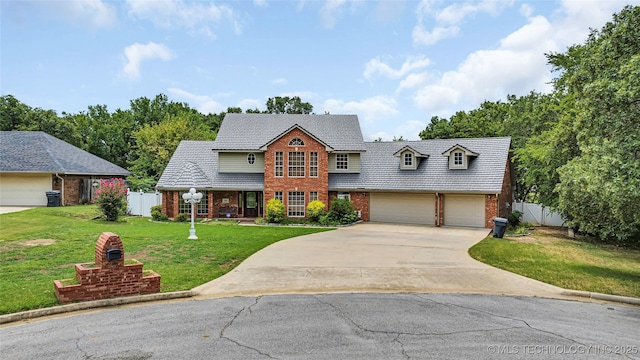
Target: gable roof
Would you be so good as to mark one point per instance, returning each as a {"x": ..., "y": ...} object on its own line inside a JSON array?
[
  {"x": 408, "y": 147},
  {"x": 39, "y": 152},
  {"x": 380, "y": 170},
  {"x": 458, "y": 146},
  {"x": 250, "y": 132},
  {"x": 194, "y": 164}
]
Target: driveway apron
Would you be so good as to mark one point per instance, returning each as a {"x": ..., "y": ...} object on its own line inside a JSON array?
[{"x": 373, "y": 257}]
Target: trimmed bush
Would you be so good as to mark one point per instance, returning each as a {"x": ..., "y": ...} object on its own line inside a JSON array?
[
  {"x": 315, "y": 210},
  {"x": 342, "y": 211},
  {"x": 183, "y": 217},
  {"x": 275, "y": 211},
  {"x": 156, "y": 213}
]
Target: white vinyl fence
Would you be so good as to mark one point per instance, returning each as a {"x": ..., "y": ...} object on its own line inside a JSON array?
[
  {"x": 539, "y": 215},
  {"x": 140, "y": 203}
]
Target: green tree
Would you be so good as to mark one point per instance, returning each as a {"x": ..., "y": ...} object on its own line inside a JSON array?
[
  {"x": 156, "y": 143},
  {"x": 288, "y": 105},
  {"x": 600, "y": 188}
]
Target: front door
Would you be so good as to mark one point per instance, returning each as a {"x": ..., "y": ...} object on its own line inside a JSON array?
[{"x": 251, "y": 205}]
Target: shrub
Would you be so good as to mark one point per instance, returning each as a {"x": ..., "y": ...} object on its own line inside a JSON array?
[
  {"x": 315, "y": 210},
  {"x": 183, "y": 217},
  {"x": 275, "y": 211},
  {"x": 156, "y": 213},
  {"x": 112, "y": 198},
  {"x": 514, "y": 218},
  {"x": 342, "y": 211}
]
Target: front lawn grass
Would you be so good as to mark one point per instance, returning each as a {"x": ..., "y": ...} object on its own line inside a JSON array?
[
  {"x": 41, "y": 245},
  {"x": 549, "y": 256}
]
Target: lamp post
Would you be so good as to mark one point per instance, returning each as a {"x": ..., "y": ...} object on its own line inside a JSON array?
[{"x": 192, "y": 197}]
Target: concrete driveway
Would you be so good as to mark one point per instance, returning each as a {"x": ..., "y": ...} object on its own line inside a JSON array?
[
  {"x": 10, "y": 209},
  {"x": 373, "y": 257}
]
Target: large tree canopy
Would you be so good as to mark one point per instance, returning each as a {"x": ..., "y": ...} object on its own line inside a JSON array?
[{"x": 599, "y": 190}]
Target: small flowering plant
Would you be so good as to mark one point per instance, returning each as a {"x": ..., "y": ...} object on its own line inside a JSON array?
[{"x": 112, "y": 198}]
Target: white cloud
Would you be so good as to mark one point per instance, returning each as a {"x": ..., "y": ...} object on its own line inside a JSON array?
[
  {"x": 252, "y": 104},
  {"x": 330, "y": 11},
  {"x": 368, "y": 110},
  {"x": 414, "y": 80},
  {"x": 95, "y": 12},
  {"x": 516, "y": 67},
  {"x": 178, "y": 13},
  {"x": 137, "y": 53},
  {"x": 260, "y": 3},
  {"x": 448, "y": 19},
  {"x": 375, "y": 66},
  {"x": 203, "y": 103}
]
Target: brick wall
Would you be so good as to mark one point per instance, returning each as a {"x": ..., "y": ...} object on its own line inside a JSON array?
[
  {"x": 506, "y": 195},
  {"x": 439, "y": 207},
  {"x": 106, "y": 278},
  {"x": 306, "y": 183},
  {"x": 490, "y": 210},
  {"x": 218, "y": 205}
]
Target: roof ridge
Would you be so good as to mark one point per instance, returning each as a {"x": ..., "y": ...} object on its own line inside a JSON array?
[{"x": 48, "y": 138}]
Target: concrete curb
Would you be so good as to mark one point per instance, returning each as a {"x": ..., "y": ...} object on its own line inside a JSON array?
[
  {"x": 32, "y": 314},
  {"x": 605, "y": 297}
]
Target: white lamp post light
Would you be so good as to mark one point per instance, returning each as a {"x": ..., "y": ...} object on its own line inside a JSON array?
[{"x": 192, "y": 197}]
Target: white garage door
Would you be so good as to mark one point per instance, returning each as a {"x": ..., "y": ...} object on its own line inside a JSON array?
[
  {"x": 464, "y": 210},
  {"x": 403, "y": 208},
  {"x": 24, "y": 190}
]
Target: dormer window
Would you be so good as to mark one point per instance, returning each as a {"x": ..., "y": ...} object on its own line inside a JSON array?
[
  {"x": 408, "y": 159},
  {"x": 459, "y": 157},
  {"x": 296, "y": 142}
]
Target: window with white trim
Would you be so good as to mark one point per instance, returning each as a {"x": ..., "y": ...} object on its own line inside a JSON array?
[
  {"x": 458, "y": 158},
  {"x": 295, "y": 204},
  {"x": 296, "y": 164},
  {"x": 278, "y": 195},
  {"x": 251, "y": 158},
  {"x": 408, "y": 159},
  {"x": 313, "y": 196},
  {"x": 313, "y": 164},
  {"x": 342, "y": 161},
  {"x": 279, "y": 164},
  {"x": 296, "y": 142},
  {"x": 344, "y": 195},
  {"x": 202, "y": 208}
]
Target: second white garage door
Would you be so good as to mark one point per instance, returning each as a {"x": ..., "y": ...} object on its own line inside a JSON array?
[
  {"x": 403, "y": 208},
  {"x": 464, "y": 210}
]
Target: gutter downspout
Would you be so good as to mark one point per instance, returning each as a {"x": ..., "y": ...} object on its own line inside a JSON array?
[
  {"x": 61, "y": 189},
  {"x": 437, "y": 209},
  {"x": 498, "y": 205}
]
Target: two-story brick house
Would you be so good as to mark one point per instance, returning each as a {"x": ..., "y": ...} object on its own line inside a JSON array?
[{"x": 301, "y": 158}]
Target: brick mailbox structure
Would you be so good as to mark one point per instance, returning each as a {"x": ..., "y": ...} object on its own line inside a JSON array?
[{"x": 108, "y": 276}]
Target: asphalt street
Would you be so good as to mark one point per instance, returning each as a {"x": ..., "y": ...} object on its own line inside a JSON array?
[{"x": 336, "y": 326}]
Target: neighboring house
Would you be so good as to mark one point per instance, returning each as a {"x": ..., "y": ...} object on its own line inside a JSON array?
[
  {"x": 300, "y": 158},
  {"x": 33, "y": 163}
]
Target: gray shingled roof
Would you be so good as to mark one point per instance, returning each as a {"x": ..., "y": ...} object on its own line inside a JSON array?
[
  {"x": 39, "y": 152},
  {"x": 195, "y": 164},
  {"x": 380, "y": 170},
  {"x": 252, "y": 131}
]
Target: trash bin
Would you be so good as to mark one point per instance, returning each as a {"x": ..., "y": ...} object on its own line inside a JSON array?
[
  {"x": 53, "y": 198},
  {"x": 499, "y": 227}
]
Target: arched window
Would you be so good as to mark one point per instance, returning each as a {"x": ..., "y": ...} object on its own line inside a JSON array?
[
  {"x": 296, "y": 142},
  {"x": 251, "y": 158}
]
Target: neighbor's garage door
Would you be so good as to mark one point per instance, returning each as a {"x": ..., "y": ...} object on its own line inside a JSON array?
[
  {"x": 464, "y": 210},
  {"x": 24, "y": 190},
  {"x": 403, "y": 208}
]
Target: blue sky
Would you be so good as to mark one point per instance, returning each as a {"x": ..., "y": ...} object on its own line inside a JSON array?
[{"x": 395, "y": 64}]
